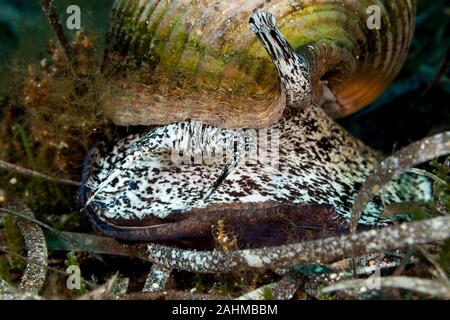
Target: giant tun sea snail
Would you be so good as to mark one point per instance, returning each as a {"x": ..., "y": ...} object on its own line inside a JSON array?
[{"x": 136, "y": 191}]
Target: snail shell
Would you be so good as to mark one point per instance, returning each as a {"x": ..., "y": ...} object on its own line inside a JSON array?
[
  {"x": 197, "y": 59},
  {"x": 305, "y": 189}
]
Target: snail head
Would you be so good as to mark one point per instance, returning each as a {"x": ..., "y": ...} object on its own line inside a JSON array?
[{"x": 262, "y": 22}]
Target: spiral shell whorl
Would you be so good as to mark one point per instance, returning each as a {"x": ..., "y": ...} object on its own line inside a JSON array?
[{"x": 205, "y": 64}]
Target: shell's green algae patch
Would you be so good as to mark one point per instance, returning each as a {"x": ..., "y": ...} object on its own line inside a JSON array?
[
  {"x": 175, "y": 48},
  {"x": 191, "y": 63}
]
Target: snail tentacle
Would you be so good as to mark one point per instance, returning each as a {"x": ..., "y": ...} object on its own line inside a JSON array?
[{"x": 292, "y": 68}]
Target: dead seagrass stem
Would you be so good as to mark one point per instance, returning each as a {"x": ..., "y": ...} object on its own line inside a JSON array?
[
  {"x": 415, "y": 153},
  {"x": 281, "y": 290},
  {"x": 35, "y": 244},
  {"x": 317, "y": 251},
  {"x": 49, "y": 9},
  {"x": 431, "y": 287},
  {"x": 95, "y": 244},
  {"x": 15, "y": 168},
  {"x": 157, "y": 279}
]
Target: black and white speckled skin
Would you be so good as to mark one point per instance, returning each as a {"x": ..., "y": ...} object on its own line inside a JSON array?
[
  {"x": 319, "y": 162},
  {"x": 314, "y": 168}
]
